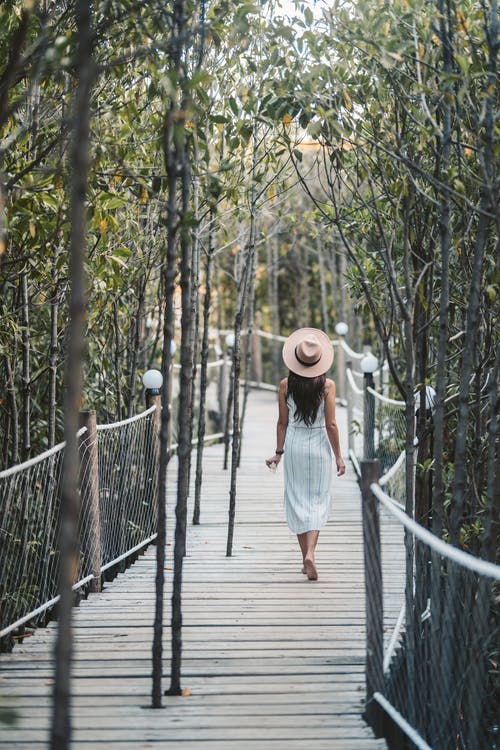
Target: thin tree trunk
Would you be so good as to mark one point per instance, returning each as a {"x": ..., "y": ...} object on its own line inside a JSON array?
[
  {"x": 54, "y": 348},
  {"x": 117, "y": 368},
  {"x": 437, "y": 696},
  {"x": 136, "y": 345},
  {"x": 488, "y": 204},
  {"x": 61, "y": 718},
  {"x": 184, "y": 428},
  {"x": 14, "y": 414},
  {"x": 248, "y": 346},
  {"x": 168, "y": 274},
  {"x": 26, "y": 381},
  {"x": 241, "y": 305},
  {"x": 203, "y": 369},
  {"x": 325, "y": 318}
]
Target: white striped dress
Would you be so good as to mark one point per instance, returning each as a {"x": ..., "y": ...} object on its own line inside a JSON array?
[{"x": 308, "y": 472}]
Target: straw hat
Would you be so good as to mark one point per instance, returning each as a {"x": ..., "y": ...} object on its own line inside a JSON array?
[{"x": 308, "y": 352}]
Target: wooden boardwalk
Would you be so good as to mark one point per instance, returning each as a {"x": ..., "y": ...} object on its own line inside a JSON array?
[{"x": 272, "y": 661}]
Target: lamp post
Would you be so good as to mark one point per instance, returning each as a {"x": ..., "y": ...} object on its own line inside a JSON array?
[
  {"x": 368, "y": 364},
  {"x": 341, "y": 330},
  {"x": 152, "y": 381}
]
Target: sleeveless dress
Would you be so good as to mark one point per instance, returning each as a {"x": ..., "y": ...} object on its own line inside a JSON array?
[{"x": 308, "y": 472}]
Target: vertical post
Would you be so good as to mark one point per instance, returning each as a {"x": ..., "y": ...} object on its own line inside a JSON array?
[
  {"x": 350, "y": 434},
  {"x": 154, "y": 399},
  {"x": 89, "y": 484},
  {"x": 341, "y": 377},
  {"x": 373, "y": 595},
  {"x": 257, "y": 351},
  {"x": 229, "y": 410},
  {"x": 368, "y": 418}
]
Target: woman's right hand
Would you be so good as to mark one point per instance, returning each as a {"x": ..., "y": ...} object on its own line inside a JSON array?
[{"x": 273, "y": 461}]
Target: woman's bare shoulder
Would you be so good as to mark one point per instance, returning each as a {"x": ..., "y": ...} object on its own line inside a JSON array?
[
  {"x": 329, "y": 386},
  {"x": 283, "y": 384}
]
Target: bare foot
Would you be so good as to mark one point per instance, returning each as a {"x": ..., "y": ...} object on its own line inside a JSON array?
[{"x": 310, "y": 569}]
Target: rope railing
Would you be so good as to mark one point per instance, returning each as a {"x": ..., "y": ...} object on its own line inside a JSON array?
[
  {"x": 437, "y": 682},
  {"x": 118, "y": 494},
  {"x": 118, "y": 487}
]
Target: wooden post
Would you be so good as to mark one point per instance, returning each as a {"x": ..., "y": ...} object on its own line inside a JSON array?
[
  {"x": 257, "y": 351},
  {"x": 350, "y": 434},
  {"x": 373, "y": 596},
  {"x": 368, "y": 418},
  {"x": 340, "y": 370},
  {"x": 154, "y": 399},
  {"x": 89, "y": 483}
]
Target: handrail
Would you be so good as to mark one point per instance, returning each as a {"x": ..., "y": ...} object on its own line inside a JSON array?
[
  {"x": 36, "y": 459},
  {"x": 129, "y": 420},
  {"x": 351, "y": 352},
  {"x": 465, "y": 559},
  {"x": 386, "y": 399},
  {"x": 407, "y": 728},
  {"x": 393, "y": 470},
  {"x": 352, "y": 382}
]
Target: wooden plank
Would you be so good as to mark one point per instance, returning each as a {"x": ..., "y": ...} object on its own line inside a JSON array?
[{"x": 267, "y": 655}]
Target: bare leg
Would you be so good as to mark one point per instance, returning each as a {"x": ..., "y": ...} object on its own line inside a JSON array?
[
  {"x": 308, "y": 541},
  {"x": 303, "y": 547}
]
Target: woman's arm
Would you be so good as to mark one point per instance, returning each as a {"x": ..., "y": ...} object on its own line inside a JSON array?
[
  {"x": 332, "y": 427},
  {"x": 281, "y": 426}
]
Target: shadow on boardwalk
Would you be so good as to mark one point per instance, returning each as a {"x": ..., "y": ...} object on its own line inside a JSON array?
[{"x": 272, "y": 660}]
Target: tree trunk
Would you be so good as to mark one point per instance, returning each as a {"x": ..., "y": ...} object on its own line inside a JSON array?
[
  {"x": 117, "y": 367},
  {"x": 203, "y": 369},
  {"x": 325, "y": 318},
  {"x": 248, "y": 344},
  {"x": 54, "y": 348},
  {"x": 61, "y": 719},
  {"x": 242, "y": 301},
  {"x": 13, "y": 458},
  {"x": 488, "y": 205},
  {"x": 26, "y": 380}
]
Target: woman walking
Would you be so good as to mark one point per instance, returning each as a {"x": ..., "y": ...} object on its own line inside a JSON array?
[{"x": 306, "y": 435}]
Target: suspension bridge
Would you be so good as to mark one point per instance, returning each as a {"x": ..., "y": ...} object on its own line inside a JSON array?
[{"x": 270, "y": 660}]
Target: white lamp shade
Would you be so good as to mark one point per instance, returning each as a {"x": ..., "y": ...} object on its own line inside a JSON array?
[
  {"x": 230, "y": 340},
  {"x": 152, "y": 380},
  {"x": 369, "y": 363},
  {"x": 173, "y": 347},
  {"x": 341, "y": 329}
]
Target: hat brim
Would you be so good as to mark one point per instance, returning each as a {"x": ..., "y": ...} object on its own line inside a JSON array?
[{"x": 293, "y": 364}]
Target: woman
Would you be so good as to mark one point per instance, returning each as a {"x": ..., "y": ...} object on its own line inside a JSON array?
[{"x": 307, "y": 421}]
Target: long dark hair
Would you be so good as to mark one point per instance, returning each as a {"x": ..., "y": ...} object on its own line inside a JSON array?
[{"x": 307, "y": 394}]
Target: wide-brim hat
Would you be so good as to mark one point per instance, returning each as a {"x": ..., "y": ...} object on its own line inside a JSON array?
[{"x": 308, "y": 352}]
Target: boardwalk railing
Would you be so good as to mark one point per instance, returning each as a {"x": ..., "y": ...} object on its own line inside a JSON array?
[
  {"x": 118, "y": 490},
  {"x": 436, "y": 676}
]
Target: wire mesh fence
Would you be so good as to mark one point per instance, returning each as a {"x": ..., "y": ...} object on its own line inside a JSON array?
[
  {"x": 29, "y": 513},
  {"x": 128, "y": 480},
  {"x": 118, "y": 489},
  {"x": 439, "y": 681}
]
